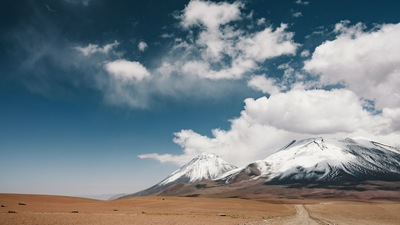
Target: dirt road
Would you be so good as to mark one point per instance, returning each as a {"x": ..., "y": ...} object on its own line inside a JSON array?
[{"x": 302, "y": 217}]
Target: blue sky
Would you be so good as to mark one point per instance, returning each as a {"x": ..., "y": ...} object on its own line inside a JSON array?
[{"x": 102, "y": 97}]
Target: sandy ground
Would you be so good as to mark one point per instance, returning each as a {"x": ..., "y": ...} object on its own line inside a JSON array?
[{"x": 183, "y": 210}]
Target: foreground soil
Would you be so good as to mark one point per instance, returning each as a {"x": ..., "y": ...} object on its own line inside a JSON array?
[{"x": 40, "y": 209}]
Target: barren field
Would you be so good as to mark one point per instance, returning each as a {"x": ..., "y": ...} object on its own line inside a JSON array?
[{"x": 40, "y": 209}]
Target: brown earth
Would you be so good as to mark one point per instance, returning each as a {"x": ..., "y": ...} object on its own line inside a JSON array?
[
  {"x": 257, "y": 190},
  {"x": 41, "y": 209}
]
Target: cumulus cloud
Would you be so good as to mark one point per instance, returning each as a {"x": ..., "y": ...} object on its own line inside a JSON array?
[
  {"x": 267, "y": 124},
  {"x": 222, "y": 50},
  {"x": 142, "y": 46},
  {"x": 127, "y": 71},
  {"x": 215, "y": 38},
  {"x": 91, "y": 49},
  {"x": 367, "y": 62},
  {"x": 310, "y": 112},
  {"x": 211, "y": 15},
  {"x": 268, "y": 44},
  {"x": 263, "y": 84}
]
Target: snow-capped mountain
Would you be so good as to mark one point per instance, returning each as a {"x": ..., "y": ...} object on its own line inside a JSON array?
[
  {"x": 324, "y": 161},
  {"x": 314, "y": 160},
  {"x": 206, "y": 166}
]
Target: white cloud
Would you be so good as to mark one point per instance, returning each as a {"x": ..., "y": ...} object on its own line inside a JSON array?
[
  {"x": 218, "y": 37},
  {"x": 268, "y": 44},
  {"x": 305, "y": 53},
  {"x": 180, "y": 159},
  {"x": 142, "y": 46},
  {"x": 297, "y": 14},
  {"x": 91, "y": 49},
  {"x": 263, "y": 84},
  {"x": 391, "y": 119},
  {"x": 267, "y": 124},
  {"x": 222, "y": 50},
  {"x": 367, "y": 62},
  {"x": 295, "y": 79},
  {"x": 211, "y": 15},
  {"x": 127, "y": 71},
  {"x": 310, "y": 112},
  {"x": 235, "y": 70}
]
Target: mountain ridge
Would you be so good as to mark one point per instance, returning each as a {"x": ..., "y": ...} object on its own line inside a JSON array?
[
  {"x": 315, "y": 160},
  {"x": 310, "y": 161}
]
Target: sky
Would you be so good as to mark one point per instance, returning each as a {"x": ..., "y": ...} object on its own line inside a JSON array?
[{"x": 101, "y": 97}]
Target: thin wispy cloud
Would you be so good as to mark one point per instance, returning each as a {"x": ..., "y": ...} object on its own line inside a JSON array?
[{"x": 94, "y": 48}]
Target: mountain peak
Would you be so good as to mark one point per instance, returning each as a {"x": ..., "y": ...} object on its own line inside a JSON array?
[
  {"x": 318, "y": 141},
  {"x": 327, "y": 160},
  {"x": 204, "y": 166}
]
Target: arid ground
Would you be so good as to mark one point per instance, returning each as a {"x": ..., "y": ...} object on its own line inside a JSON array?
[{"x": 40, "y": 209}]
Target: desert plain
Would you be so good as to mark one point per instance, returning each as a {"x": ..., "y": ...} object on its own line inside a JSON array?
[{"x": 44, "y": 209}]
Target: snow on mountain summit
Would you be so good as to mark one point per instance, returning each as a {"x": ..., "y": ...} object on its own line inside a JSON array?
[
  {"x": 314, "y": 160},
  {"x": 325, "y": 160},
  {"x": 309, "y": 153},
  {"x": 204, "y": 166}
]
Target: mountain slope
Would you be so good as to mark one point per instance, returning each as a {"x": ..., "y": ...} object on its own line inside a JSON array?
[
  {"x": 339, "y": 164},
  {"x": 321, "y": 160},
  {"x": 206, "y": 166}
]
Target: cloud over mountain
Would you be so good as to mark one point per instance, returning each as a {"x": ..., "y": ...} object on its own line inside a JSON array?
[{"x": 266, "y": 124}]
